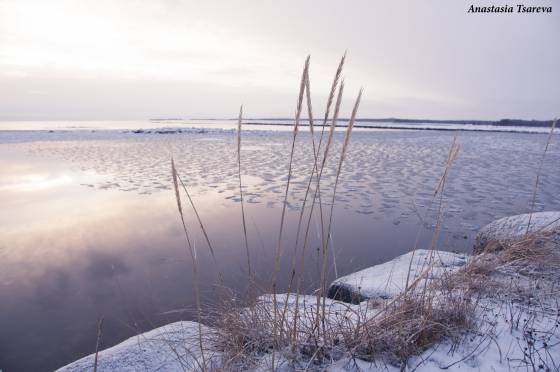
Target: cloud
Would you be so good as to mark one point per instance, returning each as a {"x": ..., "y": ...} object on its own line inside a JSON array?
[{"x": 419, "y": 59}]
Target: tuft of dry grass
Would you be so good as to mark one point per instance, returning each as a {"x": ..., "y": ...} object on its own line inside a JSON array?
[
  {"x": 411, "y": 325},
  {"x": 533, "y": 255},
  {"x": 380, "y": 331},
  {"x": 313, "y": 331}
]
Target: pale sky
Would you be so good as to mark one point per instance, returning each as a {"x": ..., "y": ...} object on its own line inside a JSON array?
[{"x": 134, "y": 59}]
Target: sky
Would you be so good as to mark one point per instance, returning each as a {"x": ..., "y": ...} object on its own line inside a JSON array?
[{"x": 136, "y": 59}]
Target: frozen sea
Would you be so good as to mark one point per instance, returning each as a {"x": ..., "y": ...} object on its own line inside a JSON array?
[{"x": 89, "y": 225}]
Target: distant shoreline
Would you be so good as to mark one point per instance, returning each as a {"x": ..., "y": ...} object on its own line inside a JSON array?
[
  {"x": 501, "y": 122},
  {"x": 499, "y": 128}
]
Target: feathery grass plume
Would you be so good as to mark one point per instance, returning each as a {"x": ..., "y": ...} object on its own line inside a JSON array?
[
  {"x": 315, "y": 158},
  {"x": 332, "y": 129},
  {"x": 330, "y": 100},
  {"x": 314, "y": 171},
  {"x": 317, "y": 193},
  {"x": 290, "y": 163},
  {"x": 331, "y": 95},
  {"x": 239, "y": 120},
  {"x": 404, "y": 326},
  {"x": 339, "y": 169},
  {"x": 538, "y": 175},
  {"x": 295, "y": 255},
  {"x": 285, "y": 202},
  {"x": 192, "y": 251},
  {"x": 316, "y": 149}
]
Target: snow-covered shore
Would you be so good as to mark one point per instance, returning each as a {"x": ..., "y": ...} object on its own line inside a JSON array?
[{"x": 517, "y": 327}]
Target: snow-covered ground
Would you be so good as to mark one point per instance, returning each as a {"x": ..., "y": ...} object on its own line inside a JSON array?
[
  {"x": 517, "y": 327},
  {"x": 173, "y": 347},
  {"x": 512, "y": 336}
]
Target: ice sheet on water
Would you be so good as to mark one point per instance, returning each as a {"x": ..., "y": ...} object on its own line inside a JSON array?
[{"x": 384, "y": 174}]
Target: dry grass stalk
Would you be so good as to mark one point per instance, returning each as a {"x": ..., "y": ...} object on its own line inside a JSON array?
[
  {"x": 192, "y": 251},
  {"x": 295, "y": 254},
  {"x": 539, "y": 170},
  {"x": 411, "y": 323},
  {"x": 339, "y": 169},
  {"x": 241, "y": 191},
  {"x": 315, "y": 170},
  {"x": 325, "y": 156},
  {"x": 330, "y": 100},
  {"x": 279, "y": 248},
  {"x": 206, "y": 237},
  {"x": 98, "y": 343},
  {"x": 451, "y": 157},
  {"x": 308, "y": 188}
]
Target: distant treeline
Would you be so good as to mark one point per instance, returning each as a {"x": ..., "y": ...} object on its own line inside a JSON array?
[{"x": 502, "y": 122}]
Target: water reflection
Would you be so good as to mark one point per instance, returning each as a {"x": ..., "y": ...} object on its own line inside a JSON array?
[
  {"x": 35, "y": 182},
  {"x": 71, "y": 255}
]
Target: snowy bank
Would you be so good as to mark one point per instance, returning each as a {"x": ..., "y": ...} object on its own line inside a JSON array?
[
  {"x": 386, "y": 280},
  {"x": 172, "y": 347},
  {"x": 515, "y": 227},
  {"x": 517, "y": 323}
]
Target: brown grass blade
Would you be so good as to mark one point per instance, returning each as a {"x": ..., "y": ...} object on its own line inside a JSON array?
[
  {"x": 285, "y": 202},
  {"x": 539, "y": 170},
  {"x": 241, "y": 191}
]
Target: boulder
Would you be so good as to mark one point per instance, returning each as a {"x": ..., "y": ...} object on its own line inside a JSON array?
[
  {"x": 515, "y": 227},
  {"x": 386, "y": 280}
]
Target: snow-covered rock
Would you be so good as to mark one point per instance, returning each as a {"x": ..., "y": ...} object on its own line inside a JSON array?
[
  {"x": 515, "y": 227},
  {"x": 173, "y": 347},
  {"x": 389, "y": 279}
]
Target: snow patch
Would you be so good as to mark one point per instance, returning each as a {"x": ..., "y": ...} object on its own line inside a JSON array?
[
  {"x": 172, "y": 347},
  {"x": 386, "y": 280},
  {"x": 515, "y": 227}
]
